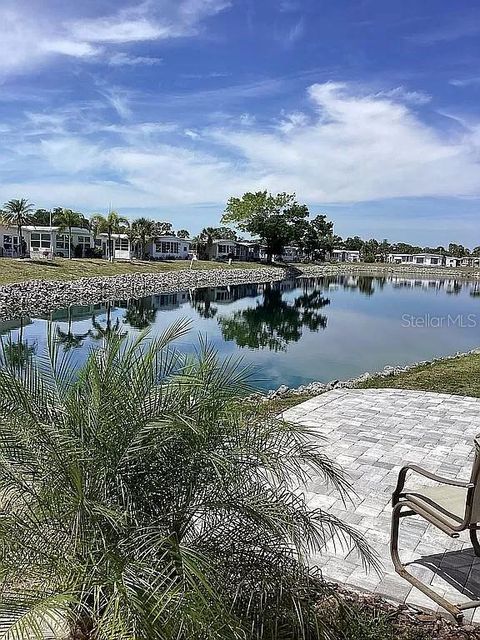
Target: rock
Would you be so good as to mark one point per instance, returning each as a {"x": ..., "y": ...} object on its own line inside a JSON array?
[
  {"x": 41, "y": 297},
  {"x": 282, "y": 390}
]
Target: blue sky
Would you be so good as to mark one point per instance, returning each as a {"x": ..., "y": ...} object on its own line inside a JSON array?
[{"x": 367, "y": 109}]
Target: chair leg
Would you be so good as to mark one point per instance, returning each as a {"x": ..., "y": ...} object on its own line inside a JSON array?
[
  {"x": 475, "y": 542},
  {"x": 453, "y": 609}
]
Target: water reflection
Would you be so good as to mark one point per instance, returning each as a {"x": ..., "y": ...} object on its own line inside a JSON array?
[
  {"x": 295, "y": 330},
  {"x": 16, "y": 350},
  {"x": 274, "y": 322}
]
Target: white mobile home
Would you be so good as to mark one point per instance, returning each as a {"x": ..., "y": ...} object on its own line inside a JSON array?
[
  {"x": 419, "y": 259},
  {"x": 120, "y": 248},
  {"x": 169, "y": 247},
  {"x": 222, "y": 249},
  {"x": 345, "y": 255},
  {"x": 44, "y": 242}
]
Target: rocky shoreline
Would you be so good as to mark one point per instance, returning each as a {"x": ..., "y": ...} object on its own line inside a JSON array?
[
  {"x": 384, "y": 269},
  {"x": 317, "y": 388},
  {"x": 41, "y": 297}
]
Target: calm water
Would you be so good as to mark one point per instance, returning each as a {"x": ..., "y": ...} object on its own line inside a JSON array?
[{"x": 294, "y": 331}]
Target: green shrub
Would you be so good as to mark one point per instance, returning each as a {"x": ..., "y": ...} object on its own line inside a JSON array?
[{"x": 141, "y": 500}]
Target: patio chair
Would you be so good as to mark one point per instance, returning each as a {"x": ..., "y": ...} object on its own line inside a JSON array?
[{"x": 453, "y": 506}]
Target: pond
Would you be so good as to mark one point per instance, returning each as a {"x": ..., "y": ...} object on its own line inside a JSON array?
[{"x": 293, "y": 332}]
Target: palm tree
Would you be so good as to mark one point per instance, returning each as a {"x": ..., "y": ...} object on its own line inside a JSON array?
[
  {"x": 110, "y": 224},
  {"x": 18, "y": 213},
  {"x": 69, "y": 339},
  {"x": 145, "y": 230},
  {"x": 65, "y": 220},
  {"x": 183, "y": 233},
  {"x": 141, "y": 498}
]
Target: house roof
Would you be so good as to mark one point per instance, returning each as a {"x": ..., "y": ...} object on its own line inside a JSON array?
[
  {"x": 172, "y": 238},
  {"x": 42, "y": 229}
]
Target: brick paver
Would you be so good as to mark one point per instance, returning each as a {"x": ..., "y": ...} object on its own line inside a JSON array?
[{"x": 372, "y": 433}]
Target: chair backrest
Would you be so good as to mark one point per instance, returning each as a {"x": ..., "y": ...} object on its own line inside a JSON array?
[{"x": 473, "y": 495}]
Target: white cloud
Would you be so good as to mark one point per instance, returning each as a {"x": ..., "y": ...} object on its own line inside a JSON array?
[
  {"x": 359, "y": 148},
  {"x": 292, "y": 121},
  {"x": 117, "y": 29},
  {"x": 400, "y": 93},
  {"x": 193, "y": 135},
  {"x": 295, "y": 32},
  {"x": 70, "y": 48},
  {"x": 349, "y": 147},
  {"x": 118, "y": 98},
  {"x": 123, "y": 59},
  {"x": 31, "y": 38}
]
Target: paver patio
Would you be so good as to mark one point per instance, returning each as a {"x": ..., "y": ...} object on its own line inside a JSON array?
[{"x": 371, "y": 433}]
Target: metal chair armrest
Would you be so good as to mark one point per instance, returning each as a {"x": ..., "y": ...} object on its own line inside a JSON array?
[{"x": 427, "y": 474}]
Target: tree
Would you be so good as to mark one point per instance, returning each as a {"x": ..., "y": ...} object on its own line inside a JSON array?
[
  {"x": 276, "y": 220},
  {"x": 42, "y": 217},
  {"x": 110, "y": 224},
  {"x": 163, "y": 229},
  {"x": 140, "y": 313},
  {"x": 142, "y": 499},
  {"x": 315, "y": 236},
  {"x": 384, "y": 248},
  {"x": 275, "y": 322},
  {"x": 65, "y": 221},
  {"x": 204, "y": 241},
  {"x": 183, "y": 233},
  {"x": 353, "y": 244},
  {"x": 68, "y": 339},
  {"x": 19, "y": 214},
  {"x": 457, "y": 250},
  {"x": 201, "y": 301},
  {"x": 370, "y": 249},
  {"x": 145, "y": 230}
]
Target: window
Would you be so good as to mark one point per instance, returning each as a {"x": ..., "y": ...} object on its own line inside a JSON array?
[
  {"x": 121, "y": 244},
  {"x": 84, "y": 241},
  {"x": 10, "y": 241},
  {"x": 419, "y": 260},
  {"x": 61, "y": 242},
  {"x": 40, "y": 241},
  {"x": 434, "y": 260},
  {"x": 226, "y": 248},
  {"x": 166, "y": 247}
]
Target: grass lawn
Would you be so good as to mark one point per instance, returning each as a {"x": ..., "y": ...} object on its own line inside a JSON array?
[
  {"x": 12, "y": 270},
  {"x": 460, "y": 376}
]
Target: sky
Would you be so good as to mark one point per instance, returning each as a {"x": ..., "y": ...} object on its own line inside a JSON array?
[{"x": 368, "y": 110}]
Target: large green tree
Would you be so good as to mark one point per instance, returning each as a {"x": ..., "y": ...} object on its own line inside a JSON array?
[
  {"x": 18, "y": 213},
  {"x": 142, "y": 499},
  {"x": 276, "y": 219},
  {"x": 315, "y": 236}
]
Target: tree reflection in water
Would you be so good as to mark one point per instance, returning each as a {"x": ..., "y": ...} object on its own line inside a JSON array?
[
  {"x": 99, "y": 331},
  {"x": 69, "y": 339},
  {"x": 201, "y": 301},
  {"x": 140, "y": 313},
  {"x": 17, "y": 353},
  {"x": 275, "y": 322}
]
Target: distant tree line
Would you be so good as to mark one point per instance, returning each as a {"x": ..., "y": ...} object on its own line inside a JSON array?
[
  {"x": 372, "y": 249},
  {"x": 275, "y": 221}
]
